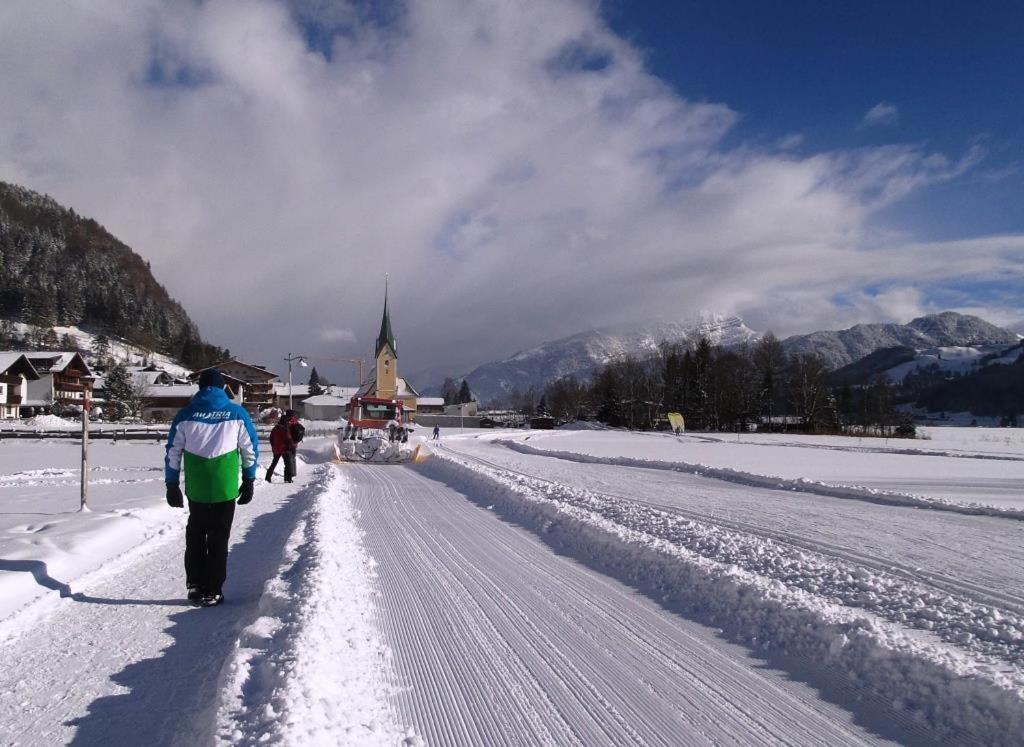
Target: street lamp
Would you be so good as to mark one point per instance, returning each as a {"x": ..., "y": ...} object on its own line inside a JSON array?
[{"x": 302, "y": 362}]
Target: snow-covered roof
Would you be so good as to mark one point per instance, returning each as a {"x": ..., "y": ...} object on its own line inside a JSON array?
[
  {"x": 430, "y": 401},
  {"x": 10, "y": 360},
  {"x": 326, "y": 400},
  {"x": 148, "y": 377},
  {"x": 52, "y": 361},
  {"x": 171, "y": 391}
]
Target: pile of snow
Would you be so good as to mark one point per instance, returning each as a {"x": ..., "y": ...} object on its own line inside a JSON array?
[
  {"x": 964, "y": 676},
  {"x": 51, "y": 422}
]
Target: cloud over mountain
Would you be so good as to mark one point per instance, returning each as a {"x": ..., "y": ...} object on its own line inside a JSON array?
[{"x": 513, "y": 165}]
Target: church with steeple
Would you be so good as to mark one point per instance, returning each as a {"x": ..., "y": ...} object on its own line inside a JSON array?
[{"x": 385, "y": 382}]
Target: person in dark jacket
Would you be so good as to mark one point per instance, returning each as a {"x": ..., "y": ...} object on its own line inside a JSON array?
[
  {"x": 284, "y": 440},
  {"x": 214, "y": 439}
]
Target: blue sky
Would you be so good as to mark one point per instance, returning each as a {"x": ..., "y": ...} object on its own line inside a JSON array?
[
  {"x": 529, "y": 170},
  {"x": 953, "y": 70}
]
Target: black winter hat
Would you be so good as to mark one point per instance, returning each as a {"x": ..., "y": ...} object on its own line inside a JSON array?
[{"x": 211, "y": 377}]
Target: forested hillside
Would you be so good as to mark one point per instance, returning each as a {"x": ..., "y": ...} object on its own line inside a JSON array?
[{"x": 58, "y": 268}]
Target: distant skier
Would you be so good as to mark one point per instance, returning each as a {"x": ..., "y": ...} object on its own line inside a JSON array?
[
  {"x": 437, "y": 433},
  {"x": 284, "y": 441},
  {"x": 215, "y": 438}
]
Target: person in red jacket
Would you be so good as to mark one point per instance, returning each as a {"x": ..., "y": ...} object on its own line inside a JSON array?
[{"x": 283, "y": 445}]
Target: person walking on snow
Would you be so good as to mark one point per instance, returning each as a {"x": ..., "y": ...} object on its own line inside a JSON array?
[
  {"x": 437, "y": 433},
  {"x": 283, "y": 443},
  {"x": 215, "y": 439}
]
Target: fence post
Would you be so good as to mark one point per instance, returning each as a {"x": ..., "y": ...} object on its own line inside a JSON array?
[{"x": 84, "y": 504}]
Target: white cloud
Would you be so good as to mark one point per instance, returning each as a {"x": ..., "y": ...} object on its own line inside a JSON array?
[
  {"x": 512, "y": 165},
  {"x": 336, "y": 335},
  {"x": 881, "y": 115}
]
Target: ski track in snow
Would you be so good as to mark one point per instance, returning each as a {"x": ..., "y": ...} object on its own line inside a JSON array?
[
  {"x": 750, "y": 479},
  {"x": 785, "y": 600},
  {"x": 499, "y": 640},
  {"x": 977, "y": 557}
]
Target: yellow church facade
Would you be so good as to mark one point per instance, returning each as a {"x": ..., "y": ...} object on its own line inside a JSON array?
[{"x": 385, "y": 381}]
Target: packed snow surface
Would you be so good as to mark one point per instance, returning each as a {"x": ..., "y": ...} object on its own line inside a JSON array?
[{"x": 527, "y": 587}]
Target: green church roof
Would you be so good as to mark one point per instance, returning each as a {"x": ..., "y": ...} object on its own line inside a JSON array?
[{"x": 386, "y": 336}]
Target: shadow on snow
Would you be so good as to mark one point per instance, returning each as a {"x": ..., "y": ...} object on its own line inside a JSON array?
[{"x": 172, "y": 699}]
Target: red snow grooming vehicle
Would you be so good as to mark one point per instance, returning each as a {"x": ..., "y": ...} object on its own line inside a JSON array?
[
  {"x": 368, "y": 414},
  {"x": 376, "y": 431}
]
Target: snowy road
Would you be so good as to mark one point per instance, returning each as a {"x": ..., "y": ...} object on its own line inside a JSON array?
[{"x": 499, "y": 640}]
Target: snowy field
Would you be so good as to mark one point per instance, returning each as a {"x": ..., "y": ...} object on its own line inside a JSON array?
[{"x": 529, "y": 587}]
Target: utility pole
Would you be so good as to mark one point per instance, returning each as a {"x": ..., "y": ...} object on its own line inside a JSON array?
[{"x": 302, "y": 362}]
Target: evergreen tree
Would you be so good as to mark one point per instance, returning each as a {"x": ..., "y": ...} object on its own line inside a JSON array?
[
  {"x": 465, "y": 395},
  {"x": 315, "y": 388},
  {"x": 8, "y": 338},
  {"x": 101, "y": 350},
  {"x": 119, "y": 390},
  {"x": 48, "y": 339},
  {"x": 450, "y": 391}
]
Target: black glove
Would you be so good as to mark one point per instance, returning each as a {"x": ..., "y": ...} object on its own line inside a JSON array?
[
  {"x": 245, "y": 492},
  {"x": 174, "y": 497}
]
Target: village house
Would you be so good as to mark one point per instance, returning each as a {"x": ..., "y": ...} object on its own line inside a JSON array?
[
  {"x": 64, "y": 379},
  {"x": 161, "y": 402},
  {"x": 15, "y": 373},
  {"x": 430, "y": 406},
  {"x": 332, "y": 405},
  {"x": 249, "y": 385}
]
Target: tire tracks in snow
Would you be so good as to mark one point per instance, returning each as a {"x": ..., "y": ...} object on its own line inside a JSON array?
[{"x": 501, "y": 641}]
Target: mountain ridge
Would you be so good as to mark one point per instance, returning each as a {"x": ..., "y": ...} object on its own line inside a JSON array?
[
  {"x": 582, "y": 353},
  {"x": 64, "y": 269}
]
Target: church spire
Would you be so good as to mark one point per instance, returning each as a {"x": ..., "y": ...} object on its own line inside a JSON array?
[{"x": 386, "y": 336}]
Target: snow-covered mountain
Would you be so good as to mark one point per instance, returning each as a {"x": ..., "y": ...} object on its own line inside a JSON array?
[
  {"x": 581, "y": 354},
  {"x": 948, "y": 329}
]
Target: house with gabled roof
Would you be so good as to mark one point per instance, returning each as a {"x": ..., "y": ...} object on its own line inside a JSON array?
[
  {"x": 64, "y": 379},
  {"x": 15, "y": 372},
  {"x": 250, "y": 385}
]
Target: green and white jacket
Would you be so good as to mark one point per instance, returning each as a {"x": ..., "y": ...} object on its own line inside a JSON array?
[{"x": 216, "y": 439}]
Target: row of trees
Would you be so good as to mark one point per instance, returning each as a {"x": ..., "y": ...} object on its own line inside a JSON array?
[
  {"x": 718, "y": 388},
  {"x": 456, "y": 394}
]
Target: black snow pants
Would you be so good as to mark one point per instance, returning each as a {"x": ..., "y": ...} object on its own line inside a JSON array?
[
  {"x": 289, "y": 465},
  {"x": 206, "y": 544}
]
